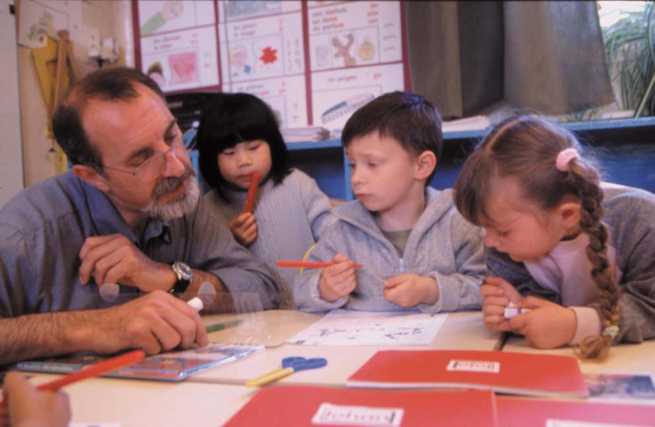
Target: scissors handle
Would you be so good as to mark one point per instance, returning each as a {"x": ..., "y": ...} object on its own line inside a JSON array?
[{"x": 269, "y": 377}]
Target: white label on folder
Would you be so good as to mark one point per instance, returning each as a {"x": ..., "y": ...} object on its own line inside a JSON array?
[
  {"x": 571, "y": 423},
  {"x": 474, "y": 366},
  {"x": 329, "y": 413}
]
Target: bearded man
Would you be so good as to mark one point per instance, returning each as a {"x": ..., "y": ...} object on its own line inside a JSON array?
[{"x": 126, "y": 217}]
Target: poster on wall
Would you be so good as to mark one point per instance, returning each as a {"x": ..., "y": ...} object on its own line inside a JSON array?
[
  {"x": 313, "y": 62},
  {"x": 178, "y": 44}
]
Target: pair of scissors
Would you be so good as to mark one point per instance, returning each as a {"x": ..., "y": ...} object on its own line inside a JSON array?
[{"x": 289, "y": 366}]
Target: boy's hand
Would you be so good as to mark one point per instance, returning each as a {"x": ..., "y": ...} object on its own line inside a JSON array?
[
  {"x": 338, "y": 280},
  {"x": 409, "y": 290},
  {"x": 496, "y": 295},
  {"x": 28, "y": 406},
  {"x": 244, "y": 228},
  {"x": 546, "y": 325}
]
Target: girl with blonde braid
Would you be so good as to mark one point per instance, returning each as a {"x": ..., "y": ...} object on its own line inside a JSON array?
[{"x": 574, "y": 256}]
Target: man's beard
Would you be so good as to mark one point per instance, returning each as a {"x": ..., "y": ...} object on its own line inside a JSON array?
[{"x": 177, "y": 208}]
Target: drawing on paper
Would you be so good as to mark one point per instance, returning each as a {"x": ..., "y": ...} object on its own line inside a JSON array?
[
  {"x": 345, "y": 107},
  {"x": 156, "y": 72},
  {"x": 184, "y": 67},
  {"x": 239, "y": 9},
  {"x": 269, "y": 55},
  {"x": 343, "y": 327},
  {"x": 366, "y": 50},
  {"x": 342, "y": 49},
  {"x": 239, "y": 59},
  {"x": 170, "y": 10}
]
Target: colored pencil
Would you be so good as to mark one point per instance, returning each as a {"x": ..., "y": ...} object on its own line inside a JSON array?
[
  {"x": 252, "y": 192},
  {"x": 95, "y": 370},
  {"x": 224, "y": 325}
]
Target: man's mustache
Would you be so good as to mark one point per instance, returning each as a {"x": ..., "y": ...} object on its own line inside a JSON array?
[{"x": 167, "y": 185}]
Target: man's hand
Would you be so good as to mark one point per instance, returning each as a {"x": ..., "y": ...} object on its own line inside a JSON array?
[
  {"x": 496, "y": 295},
  {"x": 29, "y": 407},
  {"x": 546, "y": 325},
  {"x": 114, "y": 259},
  {"x": 244, "y": 228},
  {"x": 409, "y": 290},
  {"x": 155, "y": 322},
  {"x": 337, "y": 280}
]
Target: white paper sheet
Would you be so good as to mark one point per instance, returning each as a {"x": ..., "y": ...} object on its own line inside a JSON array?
[{"x": 343, "y": 327}]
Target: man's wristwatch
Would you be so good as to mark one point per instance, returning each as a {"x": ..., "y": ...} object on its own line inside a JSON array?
[{"x": 184, "y": 275}]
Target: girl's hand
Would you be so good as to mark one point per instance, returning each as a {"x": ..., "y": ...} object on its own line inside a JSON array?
[
  {"x": 497, "y": 294},
  {"x": 409, "y": 290},
  {"x": 337, "y": 280},
  {"x": 244, "y": 228},
  {"x": 546, "y": 325},
  {"x": 29, "y": 407}
]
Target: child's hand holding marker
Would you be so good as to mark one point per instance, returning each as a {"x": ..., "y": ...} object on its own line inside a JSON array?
[
  {"x": 544, "y": 324},
  {"x": 497, "y": 295},
  {"x": 338, "y": 280},
  {"x": 244, "y": 225},
  {"x": 244, "y": 228}
]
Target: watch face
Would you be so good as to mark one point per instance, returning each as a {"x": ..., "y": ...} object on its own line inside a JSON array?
[{"x": 184, "y": 270}]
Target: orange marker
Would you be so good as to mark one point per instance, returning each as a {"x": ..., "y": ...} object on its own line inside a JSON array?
[
  {"x": 95, "y": 370},
  {"x": 293, "y": 263},
  {"x": 252, "y": 192}
]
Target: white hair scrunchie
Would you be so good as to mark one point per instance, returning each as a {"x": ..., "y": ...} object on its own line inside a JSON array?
[{"x": 564, "y": 158}]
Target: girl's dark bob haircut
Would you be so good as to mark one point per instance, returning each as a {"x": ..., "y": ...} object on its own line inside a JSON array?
[{"x": 229, "y": 119}]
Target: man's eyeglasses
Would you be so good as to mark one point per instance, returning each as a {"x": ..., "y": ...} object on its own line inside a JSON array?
[{"x": 154, "y": 165}]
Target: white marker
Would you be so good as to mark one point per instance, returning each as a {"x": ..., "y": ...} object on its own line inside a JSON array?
[
  {"x": 512, "y": 310},
  {"x": 109, "y": 291},
  {"x": 196, "y": 303}
]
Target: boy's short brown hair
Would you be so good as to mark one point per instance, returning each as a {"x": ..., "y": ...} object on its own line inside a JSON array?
[{"x": 408, "y": 118}]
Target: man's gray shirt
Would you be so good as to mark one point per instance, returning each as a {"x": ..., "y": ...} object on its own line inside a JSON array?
[{"x": 43, "y": 228}]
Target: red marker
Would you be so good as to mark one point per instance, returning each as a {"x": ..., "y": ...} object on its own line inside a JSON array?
[
  {"x": 293, "y": 263},
  {"x": 95, "y": 370},
  {"x": 252, "y": 192}
]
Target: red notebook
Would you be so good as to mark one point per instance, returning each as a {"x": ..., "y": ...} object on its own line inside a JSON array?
[
  {"x": 325, "y": 406},
  {"x": 521, "y": 412},
  {"x": 505, "y": 372}
]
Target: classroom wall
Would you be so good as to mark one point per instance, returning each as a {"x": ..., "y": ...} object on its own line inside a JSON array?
[{"x": 113, "y": 19}]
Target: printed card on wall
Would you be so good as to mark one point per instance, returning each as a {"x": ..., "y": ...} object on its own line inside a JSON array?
[
  {"x": 264, "y": 47},
  {"x": 282, "y": 95},
  {"x": 354, "y": 34},
  {"x": 178, "y": 43},
  {"x": 182, "y": 59},
  {"x": 338, "y": 93},
  {"x": 165, "y": 16}
]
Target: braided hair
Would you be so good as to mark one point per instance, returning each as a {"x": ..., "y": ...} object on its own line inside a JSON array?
[{"x": 528, "y": 147}]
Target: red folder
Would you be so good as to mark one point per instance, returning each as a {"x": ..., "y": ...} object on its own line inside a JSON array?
[
  {"x": 521, "y": 412},
  {"x": 298, "y": 406},
  {"x": 516, "y": 373}
]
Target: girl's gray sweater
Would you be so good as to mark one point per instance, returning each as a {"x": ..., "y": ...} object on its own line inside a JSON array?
[
  {"x": 290, "y": 218},
  {"x": 629, "y": 214}
]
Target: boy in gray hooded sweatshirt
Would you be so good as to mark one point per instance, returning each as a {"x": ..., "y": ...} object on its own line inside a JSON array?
[{"x": 401, "y": 245}]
